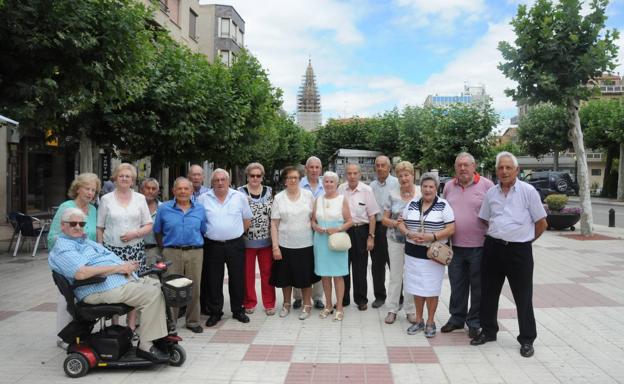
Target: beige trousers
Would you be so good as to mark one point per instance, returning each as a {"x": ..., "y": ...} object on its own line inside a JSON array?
[
  {"x": 146, "y": 296},
  {"x": 189, "y": 264}
]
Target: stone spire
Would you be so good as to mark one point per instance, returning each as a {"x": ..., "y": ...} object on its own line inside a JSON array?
[{"x": 309, "y": 101}]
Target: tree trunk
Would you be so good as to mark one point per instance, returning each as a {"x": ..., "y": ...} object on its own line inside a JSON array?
[
  {"x": 86, "y": 154},
  {"x": 576, "y": 137},
  {"x": 606, "y": 178},
  {"x": 620, "y": 188},
  {"x": 556, "y": 160}
]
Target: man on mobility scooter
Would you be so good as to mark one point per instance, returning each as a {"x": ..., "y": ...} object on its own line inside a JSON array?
[{"x": 77, "y": 258}]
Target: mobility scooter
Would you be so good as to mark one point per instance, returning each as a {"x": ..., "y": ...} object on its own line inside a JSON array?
[{"x": 111, "y": 346}]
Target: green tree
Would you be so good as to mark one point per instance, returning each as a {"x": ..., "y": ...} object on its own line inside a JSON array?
[
  {"x": 350, "y": 133},
  {"x": 603, "y": 125},
  {"x": 61, "y": 58},
  {"x": 489, "y": 161},
  {"x": 544, "y": 129},
  {"x": 556, "y": 52},
  {"x": 413, "y": 121},
  {"x": 384, "y": 132},
  {"x": 458, "y": 128}
]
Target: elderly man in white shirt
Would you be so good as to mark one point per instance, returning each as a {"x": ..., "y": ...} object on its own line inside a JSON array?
[
  {"x": 516, "y": 218},
  {"x": 228, "y": 216}
]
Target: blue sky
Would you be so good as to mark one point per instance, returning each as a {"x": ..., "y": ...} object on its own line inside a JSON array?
[{"x": 372, "y": 56}]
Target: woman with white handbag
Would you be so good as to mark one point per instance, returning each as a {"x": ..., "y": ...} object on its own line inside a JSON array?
[{"x": 331, "y": 218}]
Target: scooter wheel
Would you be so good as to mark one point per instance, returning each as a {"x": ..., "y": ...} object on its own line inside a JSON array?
[
  {"x": 75, "y": 365},
  {"x": 177, "y": 355}
]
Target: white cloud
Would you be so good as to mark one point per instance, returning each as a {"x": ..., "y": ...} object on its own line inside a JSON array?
[{"x": 441, "y": 15}]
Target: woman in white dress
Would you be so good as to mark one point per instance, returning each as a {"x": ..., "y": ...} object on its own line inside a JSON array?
[
  {"x": 425, "y": 220},
  {"x": 123, "y": 220}
]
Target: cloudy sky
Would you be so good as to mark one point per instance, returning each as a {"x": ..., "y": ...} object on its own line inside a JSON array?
[{"x": 372, "y": 55}]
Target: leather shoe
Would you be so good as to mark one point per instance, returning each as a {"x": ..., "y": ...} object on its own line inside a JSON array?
[
  {"x": 196, "y": 329},
  {"x": 378, "y": 303},
  {"x": 240, "y": 316},
  {"x": 473, "y": 332},
  {"x": 362, "y": 307},
  {"x": 526, "y": 350},
  {"x": 482, "y": 339},
  {"x": 448, "y": 327},
  {"x": 212, "y": 321},
  {"x": 318, "y": 304},
  {"x": 154, "y": 355},
  {"x": 296, "y": 304}
]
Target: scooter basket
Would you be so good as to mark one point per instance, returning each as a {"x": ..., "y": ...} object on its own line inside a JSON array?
[{"x": 177, "y": 296}]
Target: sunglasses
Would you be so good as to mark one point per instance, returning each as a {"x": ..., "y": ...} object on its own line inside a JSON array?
[
  {"x": 256, "y": 176},
  {"x": 74, "y": 223}
]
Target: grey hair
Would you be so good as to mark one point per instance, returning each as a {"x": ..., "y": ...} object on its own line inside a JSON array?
[
  {"x": 181, "y": 179},
  {"x": 196, "y": 166},
  {"x": 430, "y": 176},
  {"x": 467, "y": 155},
  {"x": 359, "y": 168},
  {"x": 331, "y": 175},
  {"x": 513, "y": 158},
  {"x": 384, "y": 157},
  {"x": 311, "y": 159},
  {"x": 149, "y": 180},
  {"x": 219, "y": 170},
  {"x": 71, "y": 212}
]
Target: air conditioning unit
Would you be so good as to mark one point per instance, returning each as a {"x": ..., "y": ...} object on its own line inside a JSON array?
[{"x": 13, "y": 134}]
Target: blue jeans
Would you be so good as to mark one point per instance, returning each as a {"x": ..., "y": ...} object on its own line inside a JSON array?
[{"x": 465, "y": 278}]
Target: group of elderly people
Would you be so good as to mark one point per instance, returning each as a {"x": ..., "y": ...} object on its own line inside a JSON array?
[{"x": 393, "y": 220}]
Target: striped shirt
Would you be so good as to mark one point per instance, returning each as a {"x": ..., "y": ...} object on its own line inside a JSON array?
[
  {"x": 70, "y": 254},
  {"x": 435, "y": 218}
]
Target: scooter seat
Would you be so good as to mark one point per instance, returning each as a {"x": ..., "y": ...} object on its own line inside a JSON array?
[{"x": 96, "y": 311}]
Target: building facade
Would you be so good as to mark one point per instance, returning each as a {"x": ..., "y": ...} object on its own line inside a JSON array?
[
  {"x": 309, "y": 102},
  {"x": 221, "y": 32},
  {"x": 366, "y": 159},
  {"x": 470, "y": 95}
]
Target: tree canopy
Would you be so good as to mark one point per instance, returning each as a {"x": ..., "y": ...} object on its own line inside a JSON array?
[{"x": 543, "y": 130}]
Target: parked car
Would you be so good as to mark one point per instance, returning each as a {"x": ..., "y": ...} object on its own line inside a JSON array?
[
  {"x": 443, "y": 180},
  {"x": 551, "y": 182}
]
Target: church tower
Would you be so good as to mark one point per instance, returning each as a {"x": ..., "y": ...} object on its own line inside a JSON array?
[{"x": 309, "y": 102}]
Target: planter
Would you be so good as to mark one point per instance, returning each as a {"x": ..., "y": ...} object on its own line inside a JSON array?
[{"x": 562, "y": 220}]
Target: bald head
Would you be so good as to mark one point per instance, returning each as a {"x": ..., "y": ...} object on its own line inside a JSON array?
[{"x": 196, "y": 175}]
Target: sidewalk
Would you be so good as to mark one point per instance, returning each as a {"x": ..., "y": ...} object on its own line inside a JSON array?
[
  {"x": 579, "y": 307},
  {"x": 598, "y": 200}
]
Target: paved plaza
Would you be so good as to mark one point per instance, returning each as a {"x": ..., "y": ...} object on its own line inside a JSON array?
[{"x": 579, "y": 307}]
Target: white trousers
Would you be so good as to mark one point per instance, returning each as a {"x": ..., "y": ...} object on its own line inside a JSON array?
[{"x": 396, "y": 253}]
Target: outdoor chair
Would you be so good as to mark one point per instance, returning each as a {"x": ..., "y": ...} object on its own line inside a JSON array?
[
  {"x": 11, "y": 218},
  {"x": 27, "y": 229}
]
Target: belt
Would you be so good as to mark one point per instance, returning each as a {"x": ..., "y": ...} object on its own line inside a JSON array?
[
  {"x": 359, "y": 224},
  {"x": 150, "y": 246},
  {"x": 505, "y": 242},
  {"x": 225, "y": 241},
  {"x": 185, "y": 247}
]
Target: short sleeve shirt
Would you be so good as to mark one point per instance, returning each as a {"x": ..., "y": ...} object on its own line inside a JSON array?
[
  {"x": 396, "y": 205},
  {"x": 362, "y": 203},
  {"x": 117, "y": 219},
  {"x": 434, "y": 219},
  {"x": 382, "y": 190},
  {"x": 512, "y": 217},
  {"x": 295, "y": 230},
  {"x": 225, "y": 220}
]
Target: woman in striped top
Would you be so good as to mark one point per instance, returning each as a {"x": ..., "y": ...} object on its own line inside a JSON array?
[{"x": 425, "y": 220}]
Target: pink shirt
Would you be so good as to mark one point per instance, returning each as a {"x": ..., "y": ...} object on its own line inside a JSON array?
[
  {"x": 362, "y": 203},
  {"x": 466, "y": 203}
]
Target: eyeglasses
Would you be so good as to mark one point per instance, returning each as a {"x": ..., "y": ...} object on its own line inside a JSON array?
[
  {"x": 256, "y": 176},
  {"x": 291, "y": 178},
  {"x": 74, "y": 223}
]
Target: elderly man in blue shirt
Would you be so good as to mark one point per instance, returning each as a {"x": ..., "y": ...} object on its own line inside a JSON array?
[
  {"x": 228, "y": 216},
  {"x": 179, "y": 226},
  {"x": 78, "y": 258},
  {"x": 516, "y": 218}
]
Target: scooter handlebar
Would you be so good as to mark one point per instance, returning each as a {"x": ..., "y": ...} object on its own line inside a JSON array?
[{"x": 157, "y": 268}]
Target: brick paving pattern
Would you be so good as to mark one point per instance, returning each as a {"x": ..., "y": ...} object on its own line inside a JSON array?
[{"x": 578, "y": 298}]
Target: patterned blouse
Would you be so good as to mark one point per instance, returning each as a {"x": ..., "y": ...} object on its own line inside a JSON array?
[{"x": 259, "y": 233}]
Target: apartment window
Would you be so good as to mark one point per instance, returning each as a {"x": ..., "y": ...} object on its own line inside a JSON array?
[
  {"x": 193, "y": 25},
  {"x": 596, "y": 172},
  {"x": 225, "y": 28},
  {"x": 225, "y": 57},
  {"x": 174, "y": 10},
  {"x": 239, "y": 38},
  {"x": 233, "y": 31}
]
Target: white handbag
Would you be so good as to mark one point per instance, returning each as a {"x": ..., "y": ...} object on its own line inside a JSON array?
[{"x": 339, "y": 241}]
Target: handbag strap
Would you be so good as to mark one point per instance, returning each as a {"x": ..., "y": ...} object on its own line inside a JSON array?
[{"x": 422, "y": 224}]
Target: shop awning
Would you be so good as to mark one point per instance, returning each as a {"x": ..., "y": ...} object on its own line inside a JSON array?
[{"x": 4, "y": 119}]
